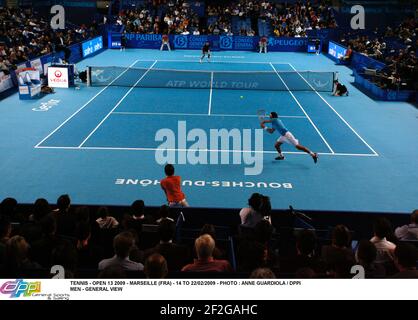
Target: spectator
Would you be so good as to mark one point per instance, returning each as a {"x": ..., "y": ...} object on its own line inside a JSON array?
[
  {"x": 138, "y": 210},
  {"x": 136, "y": 217},
  {"x": 176, "y": 255},
  {"x": 5, "y": 233},
  {"x": 61, "y": 46},
  {"x": 122, "y": 245},
  {"x": 262, "y": 273},
  {"x": 66, "y": 220},
  {"x": 8, "y": 207},
  {"x": 88, "y": 254},
  {"x": 340, "y": 249},
  {"x": 385, "y": 248},
  {"x": 163, "y": 214},
  {"x": 41, "y": 209},
  {"x": 346, "y": 59},
  {"x": 82, "y": 214},
  {"x": 17, "y": 261},
  {"x": 366, "y": 257},
  {"x": 113, "y": 272},
  {"x": 205, "y": 262},
  {"x": 250, "y": 215},
  {"x": 155, "y": 267},
  {"x": 65, "y": 255},
  {"x": 172, "y": 188},
  {"x": 105, "y": 221},
  {"x": 406, "y": 261},
  {"x": 41, "y": 250},
  {"x": 32, "y": 230},
  {"x": 305, "y": 273},
  {"x": 410, "y": 231},
  {"x": 305, "y": 254},
  {"x": 251, "y": 255},
  {"x": 259, "y": 208},
  {"x": 210, "y": 230}
]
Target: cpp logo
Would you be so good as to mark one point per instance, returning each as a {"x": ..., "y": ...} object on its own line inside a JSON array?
[
  {"x": 180, "y": 42},
  {"x": 226, "y": 42},
  {"x": 58, "y": 74}
]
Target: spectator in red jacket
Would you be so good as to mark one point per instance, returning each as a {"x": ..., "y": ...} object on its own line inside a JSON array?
[{"x": 205, "y": 262}]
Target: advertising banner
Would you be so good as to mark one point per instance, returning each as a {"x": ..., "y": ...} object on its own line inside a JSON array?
[
  {"x": 58, "y": 77},
  {"x": 92, "y": 46}
]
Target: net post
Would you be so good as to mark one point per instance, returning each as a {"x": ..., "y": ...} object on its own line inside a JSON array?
[{"x": 89, "y": 76}]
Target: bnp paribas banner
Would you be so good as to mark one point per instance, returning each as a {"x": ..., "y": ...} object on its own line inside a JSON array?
[{"x": 192, "y": 42}]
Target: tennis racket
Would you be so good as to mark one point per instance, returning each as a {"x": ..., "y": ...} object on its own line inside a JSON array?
[{"x": 261, "y": 113}]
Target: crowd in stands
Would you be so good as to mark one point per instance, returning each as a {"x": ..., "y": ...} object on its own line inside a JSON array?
[
  {"x": 286, "y": 20},
  {"x": 24, "y": 36},
  {"x": 177, "y": 17},
  {"x": 91, "y": 242},
  {"x": 396, "y": 47}
]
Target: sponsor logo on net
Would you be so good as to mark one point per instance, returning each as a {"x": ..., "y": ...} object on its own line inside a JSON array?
[
  {"x": 99, "y": 75},
  {"x": 213, "y": 146}
]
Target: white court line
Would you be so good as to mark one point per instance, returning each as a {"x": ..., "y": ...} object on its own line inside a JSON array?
[
  {"x": 220, "y": 61},
  {"x": 210, "y": 93},
  {"x": 198, "y": 114},
  {"x": 117, "y": 105},
  {"x": 303, "y": 110},
  {"x": 207, "y": 150},
  {"x": 355, "y": 132},
  {"x": 85, "y": 105}
]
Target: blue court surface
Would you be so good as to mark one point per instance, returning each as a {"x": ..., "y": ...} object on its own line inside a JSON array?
[{"x": 98, "y": 144}]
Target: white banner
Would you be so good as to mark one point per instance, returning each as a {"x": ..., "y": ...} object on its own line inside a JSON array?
[
  {"x": 207, "y": 289},
  {"x": 5, "y": 82},
  {"x": 31, "y": 73},
  {"x": 58, "y": 77},
  {"x": 37, "y": 64}
]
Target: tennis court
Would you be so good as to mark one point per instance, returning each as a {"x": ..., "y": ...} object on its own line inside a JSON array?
[
  {"x": 99, "y": 143},
  {"x": 135, "y": 112}
]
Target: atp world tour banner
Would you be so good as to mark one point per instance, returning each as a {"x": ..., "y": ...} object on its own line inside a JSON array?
[{"x": 191, "y": 42}]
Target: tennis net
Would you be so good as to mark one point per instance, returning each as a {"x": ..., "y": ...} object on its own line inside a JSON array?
[{"x": 229, "y": 80}]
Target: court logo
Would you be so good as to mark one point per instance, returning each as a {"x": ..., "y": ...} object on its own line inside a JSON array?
[
  {"x": 220, "y": 146},
  {"x": 225, "y": 42},
  {"x": 20, "y": 288},
  {"x": 46, "y": 106},
  {"x": 180, "y": 42}
]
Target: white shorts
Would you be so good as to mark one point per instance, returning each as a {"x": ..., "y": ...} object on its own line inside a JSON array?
[{"x": 288, "y": 138}]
